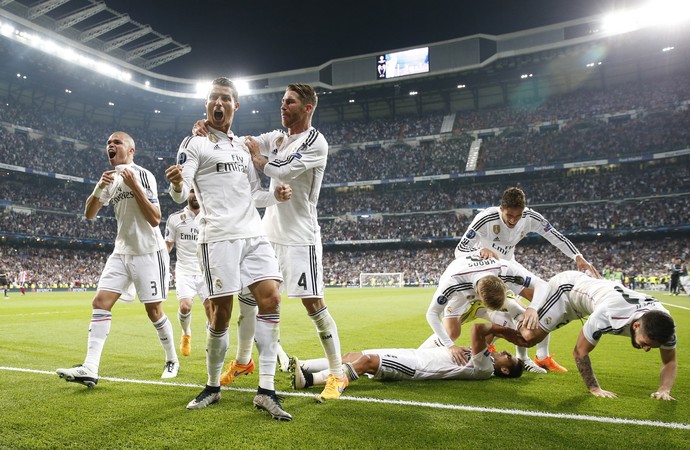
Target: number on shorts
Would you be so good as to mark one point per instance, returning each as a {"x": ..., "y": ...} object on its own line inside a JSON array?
[
  {"x": 302, "y": 281},
  {"x": 154, "y": 288}
]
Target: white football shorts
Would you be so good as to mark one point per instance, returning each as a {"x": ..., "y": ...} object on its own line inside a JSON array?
[
  {"x": 148, "y": 273},
  {"x": 227, "y": 266}
]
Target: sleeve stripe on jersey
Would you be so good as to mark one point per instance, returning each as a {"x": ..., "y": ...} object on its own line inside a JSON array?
[
  {"x": 450, "y": 290},
  {"x": 536, "y": 216},
  {"x": 282, "y": 162},
  {"x": 143, "y": 176},
  {"x": 313, "y": 134},
  {"x": 554, "y": 299},
  {"x": 515, "y": 279},
  {"x": 484, "y": 220},
  {"x": 185, "y": 142}
]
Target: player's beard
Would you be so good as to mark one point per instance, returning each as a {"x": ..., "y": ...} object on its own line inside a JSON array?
[{"x": 633, "y": 334}]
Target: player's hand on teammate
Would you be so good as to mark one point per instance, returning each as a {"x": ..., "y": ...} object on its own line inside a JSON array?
[
  {"x": 174, "y": 176},
  {"x": 530, "y": 319},
  {"x": 584, "y": 266},
  {"x": 283, "y": 193},
  {"x": 485, "y": 253},
  {"x": 599, "y": 392},
  {"x": 199, "y": 128},
  {"x": 458, "y": 355},
  {"x": 661, "y": 395}
]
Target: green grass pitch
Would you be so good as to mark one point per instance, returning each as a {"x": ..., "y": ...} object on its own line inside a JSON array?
[{"x": 134, "y": 408}]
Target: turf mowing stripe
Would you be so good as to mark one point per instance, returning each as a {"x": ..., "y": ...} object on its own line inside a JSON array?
[{"x": 514, "y": 412}]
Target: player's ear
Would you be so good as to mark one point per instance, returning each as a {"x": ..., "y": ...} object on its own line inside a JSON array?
[
  {"x": 636, "y": 325},
  {"x": 505, "y": 371}
]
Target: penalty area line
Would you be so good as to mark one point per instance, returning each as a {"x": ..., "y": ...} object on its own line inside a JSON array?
[{"x": 481, "y": 409}]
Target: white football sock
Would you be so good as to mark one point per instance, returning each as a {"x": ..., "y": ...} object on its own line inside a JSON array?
[
  {"x": 330, "y": 341},
  {"x": 267, "y": 333},
  {"x": 99, "y": 328},
  {"x": 165, "y": 334}
]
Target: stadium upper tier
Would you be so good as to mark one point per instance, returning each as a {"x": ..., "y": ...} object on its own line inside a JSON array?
[{"x": 628, "y": 121}]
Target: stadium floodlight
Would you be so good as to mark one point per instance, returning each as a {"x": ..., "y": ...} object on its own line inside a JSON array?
[
  {"x": 242, "y": 87},
  {"x": 202, "y": 88},
  {"x": 6, "y": 29},
  {"x": 655, "y": 13}
]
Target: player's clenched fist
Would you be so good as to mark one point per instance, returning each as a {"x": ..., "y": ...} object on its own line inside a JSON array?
[
  {"x": 174, "y": 176},
  {"x": 283, "y": 192}
]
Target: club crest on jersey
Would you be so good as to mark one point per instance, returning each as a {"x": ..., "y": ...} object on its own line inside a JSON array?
[
  {"x": 218, "y": 283},
  {"x": 213, "y": 138},
  {"x": 182, "y": 158},
  {"x": 497, "y": 229},
  {"x": 441, "y": 300},
  {"x": 279, "y": 142}
]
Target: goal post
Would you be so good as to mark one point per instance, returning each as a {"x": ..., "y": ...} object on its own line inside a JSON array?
[{"x": 383, "y": 279}]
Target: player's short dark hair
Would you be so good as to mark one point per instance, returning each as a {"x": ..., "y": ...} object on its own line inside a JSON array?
[
  {"x": 226, "y": 82},
  {"x": 513, "y": 197},
  {"x": 305, "y": 92},
  {"x": 515, "y": 371},
  {"x": 657, "y": 326}
]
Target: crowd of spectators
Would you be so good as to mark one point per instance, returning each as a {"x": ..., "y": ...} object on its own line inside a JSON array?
[{"x": 659, "y": 121}]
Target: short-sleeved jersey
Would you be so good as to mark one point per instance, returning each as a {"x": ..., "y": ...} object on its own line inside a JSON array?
[
  {"x": 488, "y": 230},
  {"x": 220, "y": 170},
  {"x": 135, "y": 235},
  {"x": 182, "y": 229},
  {"x": 616, "y": 308},
  {"x": 299, "y": 160},
  {"x": 431, "y": 364},
  {"x": 610, "y": 307},
  {"x": 459, "y": 280}
]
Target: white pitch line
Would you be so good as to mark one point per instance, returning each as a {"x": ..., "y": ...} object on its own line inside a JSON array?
[
  {"x": 676, "y": 306},
  {"x": 514, "y": 412}
]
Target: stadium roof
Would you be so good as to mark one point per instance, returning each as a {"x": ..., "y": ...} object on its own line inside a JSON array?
[{"x": 91, "y": 24}]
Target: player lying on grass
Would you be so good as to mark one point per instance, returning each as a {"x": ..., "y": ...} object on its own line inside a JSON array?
[
  {"x": 508, "y": 316},
  {"x": 612, "y": 309},
  {"x": 437, "y": 363},
  {"x": 472, "y": 278}
]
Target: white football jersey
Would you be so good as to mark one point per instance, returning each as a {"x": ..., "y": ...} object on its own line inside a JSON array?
[
  {"x": 220, "y": 170},
  {"x": 434, "y": 363},
  {"x": 609, "y": 307},
  {"x": 182, "y": 229},
  {"x": 615, "y": 308},
  {"x": 488, "y": 230},
  {"x": 299, "y": 160},
  {"x": 457, "y": 286},
  {"x": 135, "y": 235}
]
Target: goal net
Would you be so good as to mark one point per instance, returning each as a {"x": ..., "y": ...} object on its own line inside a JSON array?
[{"x": 387, "y": 279}]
